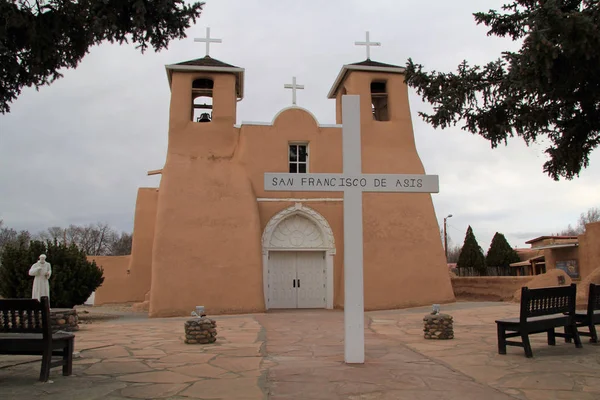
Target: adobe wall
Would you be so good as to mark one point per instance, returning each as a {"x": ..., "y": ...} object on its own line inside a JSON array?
[
  {"x": 492, "y": 288},
  {"x": 143, "y": 237},
  {"x": 207, "y": 234},
  {"x": 116, "y": 285},
  {"x": 589, "y": 249}
]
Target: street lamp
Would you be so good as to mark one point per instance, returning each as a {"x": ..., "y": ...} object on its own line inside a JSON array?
[{"x": 446, "y": 237}]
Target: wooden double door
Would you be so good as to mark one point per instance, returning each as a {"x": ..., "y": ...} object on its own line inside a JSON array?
[{"x": 297, "y": 279}]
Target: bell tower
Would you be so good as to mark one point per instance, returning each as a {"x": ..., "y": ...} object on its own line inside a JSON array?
[
  {"x": 399, "y": 226},
  {"x": 387, "y": 135},
  {"x": 204, "y": 96},
  {"x": 206, "y": 215}
]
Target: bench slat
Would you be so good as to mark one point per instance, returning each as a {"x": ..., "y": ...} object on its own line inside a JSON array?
[{"x": 25, "y": 329}]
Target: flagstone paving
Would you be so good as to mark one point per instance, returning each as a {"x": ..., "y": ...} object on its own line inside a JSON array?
[{"x": 299, "y": 355}]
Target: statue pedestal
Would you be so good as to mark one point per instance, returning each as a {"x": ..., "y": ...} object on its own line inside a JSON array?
[{"x": 64, "y": 319}]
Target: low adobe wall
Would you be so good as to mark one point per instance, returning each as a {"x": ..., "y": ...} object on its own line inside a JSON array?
[
  {"x": 589, "y": 250},
  {"x": 492, "y": 288},
  {"x": 115, "y": 288}
]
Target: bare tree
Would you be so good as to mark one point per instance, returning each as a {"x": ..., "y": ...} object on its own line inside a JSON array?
[
  {"x": 592, "y": 215},
  {"x": 54, "y": 233},
  {"x": 11, "y": 236},
  {"x": 453, "y": 253},
  {"x": 453, "y": 250},
  {"x": 97, "y": 239},
  {"x": 7, "y": 235},
  {"x": 93, "y": 239},
  {"x": 121, "y": 246}
]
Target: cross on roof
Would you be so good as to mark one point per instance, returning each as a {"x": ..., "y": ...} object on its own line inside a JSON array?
[
  {"x": 368, "y": 44},
  {"x": 294, "y": 87},
  {"x": 208, "y": 40}
]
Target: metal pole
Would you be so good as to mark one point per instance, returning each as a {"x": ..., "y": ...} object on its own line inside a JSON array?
[{"x": 445, "y": 241}]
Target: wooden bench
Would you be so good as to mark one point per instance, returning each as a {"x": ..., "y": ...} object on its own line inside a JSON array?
[
  {"x": 542, "y": 310},
  {"x": 25, "y": 329},
  {"x": 591, "y": 317}
]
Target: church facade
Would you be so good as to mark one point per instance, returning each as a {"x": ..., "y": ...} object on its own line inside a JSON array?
[{"x": 211, "y": 235}]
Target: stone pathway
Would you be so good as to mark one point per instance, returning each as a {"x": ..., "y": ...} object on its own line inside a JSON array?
[
  {"x": 147, "y": 359},
  {"x": 559, "y": 372},
  {"x": 299, "y": 355}
]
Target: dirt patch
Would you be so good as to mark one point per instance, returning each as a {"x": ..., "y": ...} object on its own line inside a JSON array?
[{"x": 93, "y": 314}]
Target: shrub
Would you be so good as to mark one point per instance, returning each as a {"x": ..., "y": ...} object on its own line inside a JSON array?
[{"x": 73, "y": 279}]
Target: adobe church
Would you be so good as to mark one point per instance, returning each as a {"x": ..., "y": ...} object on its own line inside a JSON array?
[{"x": 211, "y": 235}]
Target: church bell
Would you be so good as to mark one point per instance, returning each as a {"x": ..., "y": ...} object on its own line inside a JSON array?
[{"x": 204, "y": 117}]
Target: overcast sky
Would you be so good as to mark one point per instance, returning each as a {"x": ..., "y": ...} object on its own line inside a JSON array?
[{"x": 76, "y": 151}]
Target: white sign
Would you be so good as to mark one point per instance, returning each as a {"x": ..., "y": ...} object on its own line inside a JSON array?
[
  {"x": 352, "y": 183},
  {"x": 363, "y": 182}
]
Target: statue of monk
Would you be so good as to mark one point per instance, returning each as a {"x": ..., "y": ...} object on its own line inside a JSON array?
[{"x": 42, "y": 272}]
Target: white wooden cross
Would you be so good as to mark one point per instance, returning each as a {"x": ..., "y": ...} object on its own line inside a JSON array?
[
  {"x": 208, "y": 40},
  {"x": 352, "y": 182},
  {"x": 368, "y": 44},
  {"x": 294, "y": 87}
]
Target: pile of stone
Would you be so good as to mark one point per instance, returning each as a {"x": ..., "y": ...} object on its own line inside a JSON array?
[
  {"x": 64, "y": 319},
  {"x": 200, "y": 331},
  {"x": 438, "y": 326}
]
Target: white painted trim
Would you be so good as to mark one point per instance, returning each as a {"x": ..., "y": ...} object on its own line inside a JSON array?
[
  {"x": 307, "y": 162},
  {"x": 349, "y": 67},
  {"x": 255, "y": 123},
  {"x": 175, "y": 67},
  {"x": 330, "y": 126},
  {"x": 295, "y": 199},
  {"x": 294, "y": 107},
  {"x": 237, "y": 71},
  {"x": 329, "y": 248},
  {"x": 259, "y": 123}
]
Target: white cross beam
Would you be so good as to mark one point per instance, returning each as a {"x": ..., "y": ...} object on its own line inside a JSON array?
[
  {"x": 294, "y": 87},
  {"x": 368, "y": 44},
  {"x": 208, "y": 40},
  {"x": 352, "y": 182}
]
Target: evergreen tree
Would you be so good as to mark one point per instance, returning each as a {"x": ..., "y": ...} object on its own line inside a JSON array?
[
  {"x": 40, "y": 39},
  {"x": 546, "y": 92},
  {"x": 73, "y": 279},
  {"x": 500, "y": 254},
  {"x": 471, "y": 254}
]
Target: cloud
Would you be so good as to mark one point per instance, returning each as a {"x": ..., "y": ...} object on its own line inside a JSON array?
[{"x": 77, "y": 151}]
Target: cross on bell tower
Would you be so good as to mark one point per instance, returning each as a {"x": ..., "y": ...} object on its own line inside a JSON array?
[
  {"x": 368, "y": 45},
  {"x": 208, "y": 40}
]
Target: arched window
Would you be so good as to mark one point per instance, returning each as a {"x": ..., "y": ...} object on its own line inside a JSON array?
[
  {"x": 202, "y": 100},
  {"x": 379, "y": 101}
]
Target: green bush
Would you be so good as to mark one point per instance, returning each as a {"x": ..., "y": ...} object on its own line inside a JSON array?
[{"x": 73, "y": 279}]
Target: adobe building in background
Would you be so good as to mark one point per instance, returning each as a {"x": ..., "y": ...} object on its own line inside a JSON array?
[
  {"x": 578, "y": 256},
  {"x": 210, "y": 235}
]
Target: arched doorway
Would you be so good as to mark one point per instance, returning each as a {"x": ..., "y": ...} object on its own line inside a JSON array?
[{"x": 298, "y": 249}]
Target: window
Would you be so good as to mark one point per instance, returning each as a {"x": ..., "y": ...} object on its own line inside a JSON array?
[
  {"x": 202, "y": 100},
  {"x": 379, "y": 101},
  {"x": 298, "y": 158}
]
